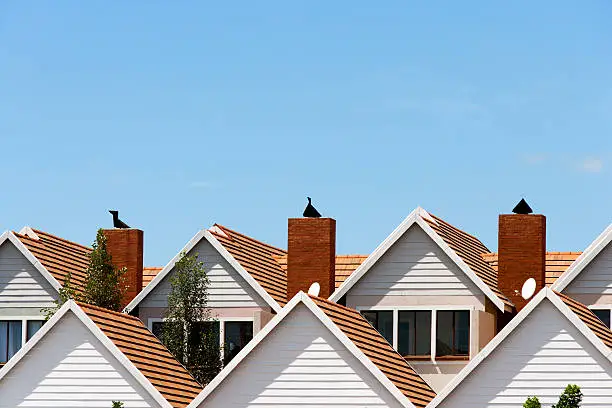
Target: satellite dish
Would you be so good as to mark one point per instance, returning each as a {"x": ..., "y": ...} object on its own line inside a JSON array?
[
  {"x": 314, "y": 289},
  {"x": 529, "y": 288}
]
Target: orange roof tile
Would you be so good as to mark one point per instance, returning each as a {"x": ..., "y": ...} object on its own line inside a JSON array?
[
  {"x": 345, "y": 265},
  {"x": 59, "y": 256},
  {"x": 148, "y": 273},
  {"x": 257, "y": 258},
  {"x": 379, "y": 351},
  {"x": 470, "y": 250},
  {"x": 556, "y": 263},
  {"x": 147, "y": 353},
  {"x": 588, "y": 317}
]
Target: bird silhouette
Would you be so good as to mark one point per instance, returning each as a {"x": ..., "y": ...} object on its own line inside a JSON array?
[
  {"x": 522, "y": 208},
  {"x": 310, "y": 211},
  {"x": 117, "y": 223}
]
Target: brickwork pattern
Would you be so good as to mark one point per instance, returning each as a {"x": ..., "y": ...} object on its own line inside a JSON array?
[{"x": 126, "y": 247}]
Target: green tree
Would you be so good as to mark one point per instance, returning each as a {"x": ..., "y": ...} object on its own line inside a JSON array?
[
  {"x": 105, "y": 284},
  {"x": 66, "y": 292},
  {"x": 571, "y": 397},
  {"x": 117, "y": 404},
  {"x": 189, "y": 330},
  {"x": 532, "y": 402}
]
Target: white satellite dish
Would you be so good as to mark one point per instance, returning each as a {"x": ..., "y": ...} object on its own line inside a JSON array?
[
  {"x": 314, "y": 289},
  {"x": 529, "y": 288}
]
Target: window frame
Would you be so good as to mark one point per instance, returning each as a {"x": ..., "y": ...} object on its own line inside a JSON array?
[
  {"x": 434, "y": 324},
  {"x": 24, "y": 326},
  {"x": 603, "y": 307}
]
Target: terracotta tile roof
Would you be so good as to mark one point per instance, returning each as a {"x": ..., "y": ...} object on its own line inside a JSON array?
[
  {"x": 378, "y": 350},
  {"x": 586, "y": 315},
  {"x": 59, "y": 256},
  {"x": 148, "y": 273},
  {"x": 345, "y": 265},
  {"x": 556, "y": 263},
  {"x": 257, "y": 258},
  {"x": 146, "y": 352},
  {"x": 470, "y": 250}
]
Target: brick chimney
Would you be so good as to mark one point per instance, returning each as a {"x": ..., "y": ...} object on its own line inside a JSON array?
[
  {"x": 521, "y": 253},
  {"x": 125, "y": 246},
  {"x": 311, "y": 255}
]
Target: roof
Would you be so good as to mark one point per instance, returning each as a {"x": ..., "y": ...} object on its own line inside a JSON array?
[
  {"x": 147, "y": 353},
  {"x": 462, "y": 248},
  {"x": 148, "y": 273},
  {"x": 345, "y": 265},
  {"x": 359, "y": 337},
  {"x": 257, "y": 258},
  {"x": 597, "y": 333},
  {"x": 556, "y": 263},
  {"x": 378, "y": 350},
  {"x": 57, "y": 255}
]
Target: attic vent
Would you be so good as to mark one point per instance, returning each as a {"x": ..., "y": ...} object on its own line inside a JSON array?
[{"x": 29, "y": 232}]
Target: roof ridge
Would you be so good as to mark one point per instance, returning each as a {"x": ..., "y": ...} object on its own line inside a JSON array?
[
  {"x": 37, "y": 231},
  {"x": 103, "y": 309},
  {"x": 224, "y": 228}
]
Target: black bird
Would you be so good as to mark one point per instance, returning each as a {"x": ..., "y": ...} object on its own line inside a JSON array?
[
  {"x": 522, "y": 208},
  {"x": 117, "y": 223},
  {"x": 310, "y": 211}
]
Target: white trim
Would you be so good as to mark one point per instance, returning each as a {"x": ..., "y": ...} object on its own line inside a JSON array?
[
  {"x": 302, "y": 298},
  {"x": 416, "y": 217},
  {"x": 8, "y": 235},
  {"x": 204, "y": 234},
  {"x": 29, "y": 232},
  {"x": 545, "y": 293},
  {"x": 583, "y": 260},
  {"x": 99, "y": 334}
]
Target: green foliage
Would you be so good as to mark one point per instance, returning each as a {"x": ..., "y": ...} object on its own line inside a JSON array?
[
  {"x": 187, "y": 329},
  {"x": 105, "y": 284},
  {"x": 532, "y": 402},
  {"x": 117, "y": 404},
  {"x": 571, "y": 397},
  {"x": 66, "y": 292}
]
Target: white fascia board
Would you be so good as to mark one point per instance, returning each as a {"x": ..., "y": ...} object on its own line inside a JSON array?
[
  {"x": 114, "y": 350},
  {"x": 583, "y": 260},
  {"x": 416, "y": 217},
  {"x": 8, "y": 235},
  {"x": 205, "y": 234},
  {"x": 545, "y": 293}
]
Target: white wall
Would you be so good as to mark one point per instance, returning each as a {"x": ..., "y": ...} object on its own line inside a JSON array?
[
  {"x": 544, "y": 354},
  {"x": 300, "y": 363},
  {"x": 414, "y": 271},
  {"x": 69, "y": 367},
  {"x": 594, "y": 284},
  {"x": 23, "y": 290},
  {"x": 227, "y": 287}
]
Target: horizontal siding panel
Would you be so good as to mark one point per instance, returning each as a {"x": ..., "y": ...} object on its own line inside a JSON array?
[{"x": 595, "y": 278}]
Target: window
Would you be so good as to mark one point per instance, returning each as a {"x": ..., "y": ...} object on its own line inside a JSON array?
[
  {"x": 382, "y": 321},
  {"x": 414, "y": 333},
  {"x": 157, "y": 328},
  {"x": 603, "y": 315},
  {"x": 10, "y": 338},
  {"x": 32, "y": 327},
  {"x": 453, "y": 333},
  {"x": 236, "y": 336}
]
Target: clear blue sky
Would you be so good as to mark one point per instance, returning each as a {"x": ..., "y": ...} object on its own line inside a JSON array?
[{"x": 181, "y": 114}]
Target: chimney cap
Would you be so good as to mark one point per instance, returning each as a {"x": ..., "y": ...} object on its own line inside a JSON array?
[{"x": 522, "y": 208}]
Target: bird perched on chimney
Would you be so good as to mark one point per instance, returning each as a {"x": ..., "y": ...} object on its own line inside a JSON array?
[
  {"x": 117, "y": 223},
  {"x": 310, "y": 211}
]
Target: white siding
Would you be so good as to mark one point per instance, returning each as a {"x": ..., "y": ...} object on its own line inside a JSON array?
[
  {"x": 300, "y": 364},
  {"x": 227, "y": 288},
  {"x": 596, "y": 279},
  {"x": 414, "y": 270},
  {"x": 544, "y": 354},
  {"x": 69, "y": 367},
  {"x": 21, "y": 284}
]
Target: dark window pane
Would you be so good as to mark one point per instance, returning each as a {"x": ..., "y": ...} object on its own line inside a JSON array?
[
  {"x": 406, "y": 333},
  {"x": 382, "y": 321},
  {"x": 462, "y": 332},
  {"x": 603, "y": 315},
  {"x": 423, "y": 333},
  {"x": 157, "y": 329},
  {"x": 3, "y": 341},
  {"x": 414, "y": 333},
  {"x": 444, "y": 336},
  {"x": 33, "y": 327},
  {"x": 236, "y": 336},
  {"x": 14, "y": 340},
  {"x": 210, "y": 328}
]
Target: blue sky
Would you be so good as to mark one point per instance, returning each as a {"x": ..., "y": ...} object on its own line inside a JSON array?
[{"x": 182, "y": 114}]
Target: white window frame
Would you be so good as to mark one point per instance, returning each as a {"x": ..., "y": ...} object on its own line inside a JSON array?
[
  {"x": 24, "y": 324},
  {"x": 434, "y": 323},
  {"x": 221, "y": 321}
]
